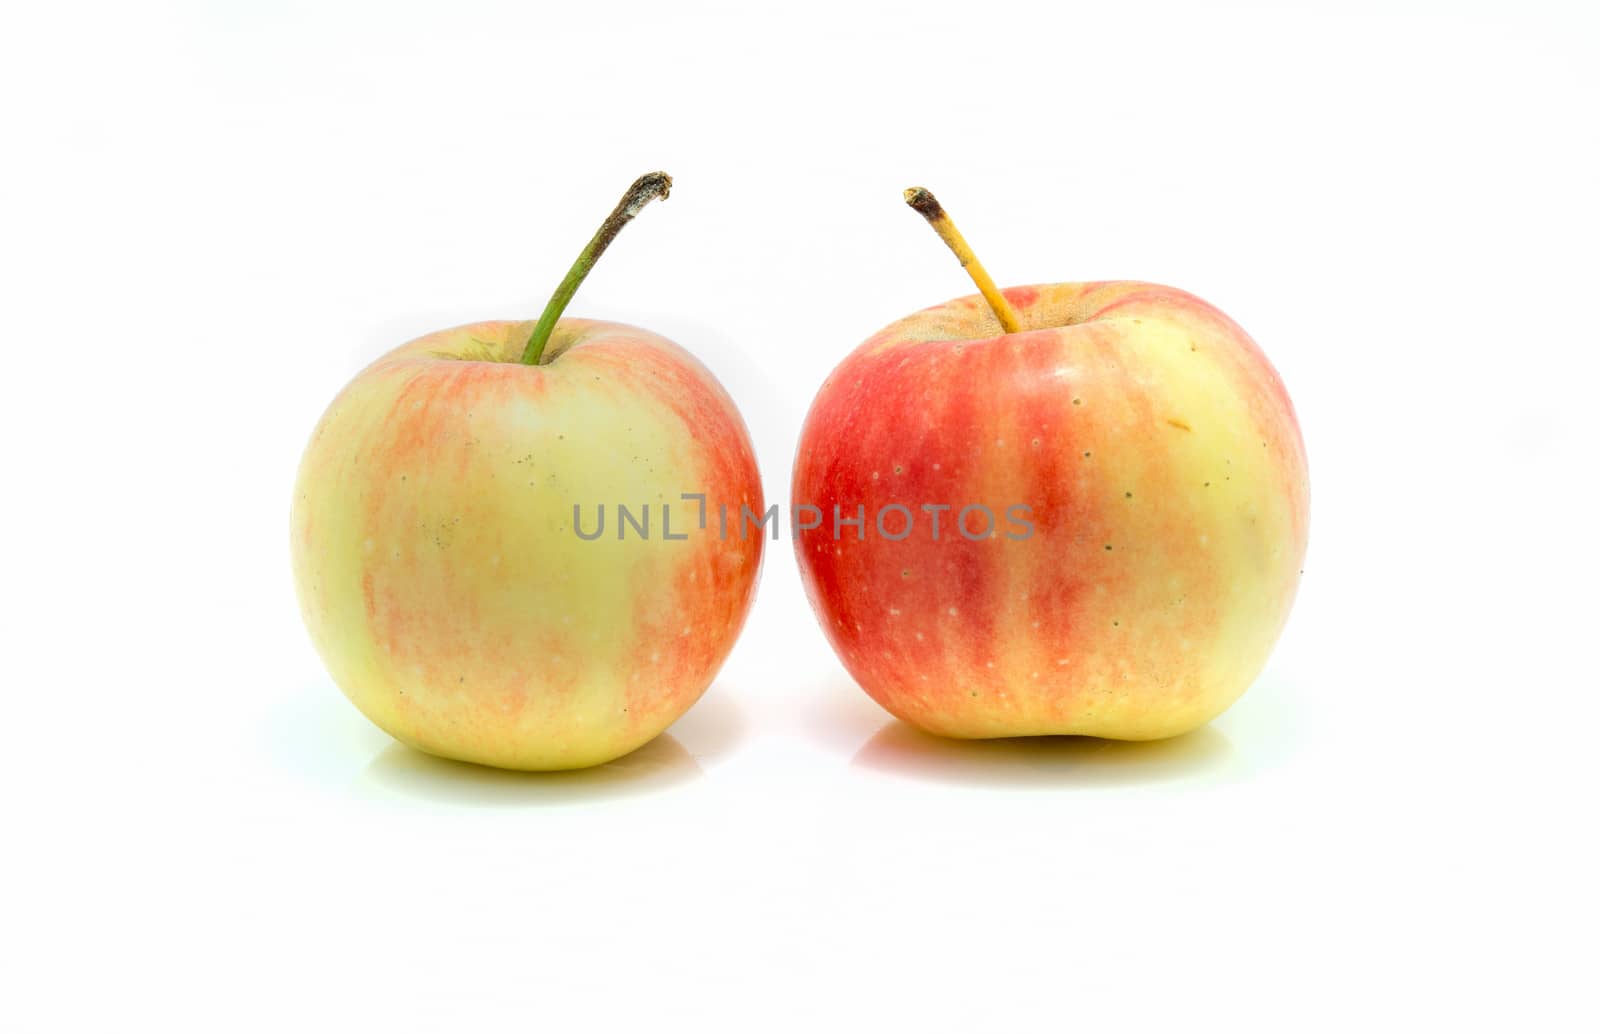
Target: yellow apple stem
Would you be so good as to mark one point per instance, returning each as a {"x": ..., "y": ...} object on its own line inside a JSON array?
[
  {"x": 929, "y": 208},
  {"x": 645, "y": 189}
]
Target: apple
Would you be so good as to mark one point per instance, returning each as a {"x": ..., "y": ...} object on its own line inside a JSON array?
[
  {"x": 435, "y": 535},
  {"x": 1136, "y": 504}
]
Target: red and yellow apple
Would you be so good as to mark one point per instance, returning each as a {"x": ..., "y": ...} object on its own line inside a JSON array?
[
  {"x": 1147, "y": 490},
  {"x": 438, "y": 562}
]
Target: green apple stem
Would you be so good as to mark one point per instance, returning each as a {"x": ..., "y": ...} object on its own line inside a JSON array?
[
  {"x": 645, "y": 189},
  {"x": 927, "y": 206}
]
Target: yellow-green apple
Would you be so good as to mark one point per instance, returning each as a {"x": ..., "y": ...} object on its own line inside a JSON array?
[
  {"x": 1139, "y": 471},
  {"x": 436, "y": 544}
]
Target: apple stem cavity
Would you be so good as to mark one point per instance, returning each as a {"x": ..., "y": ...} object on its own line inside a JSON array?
[
  {"x": 645, "y": 189},
  {"x": 927, "y": 206}
]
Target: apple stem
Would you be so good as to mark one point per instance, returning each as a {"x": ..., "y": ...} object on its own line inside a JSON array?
[
  {"x": 645, "y": 189},
  {"x": 927, "y": 206}
]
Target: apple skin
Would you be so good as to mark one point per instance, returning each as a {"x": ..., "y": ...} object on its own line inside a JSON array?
[
  {"x": 437, "y": 565},
  {"x": 1166, "y": 476}
]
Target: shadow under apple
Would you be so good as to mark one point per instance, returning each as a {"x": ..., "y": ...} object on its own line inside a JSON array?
[
  {"x": 1044, "y": 762},
  {"x": 399, "y": 769},
  {"x": 713, "y": 727},
  {"x": 710, "y": 729}
]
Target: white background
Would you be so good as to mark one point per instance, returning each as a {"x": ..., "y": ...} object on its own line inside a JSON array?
[{"x": 214, "y": 214}]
